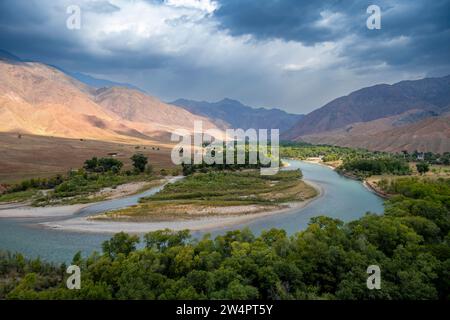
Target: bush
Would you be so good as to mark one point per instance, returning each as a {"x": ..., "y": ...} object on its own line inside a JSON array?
[
  {"x": 103, "y": 165},
  {"x": 423, "y": 167},
  {"x": 139, "y": 162}
]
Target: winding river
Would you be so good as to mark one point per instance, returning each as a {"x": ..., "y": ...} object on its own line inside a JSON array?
[{"x": 342, "y": 198}]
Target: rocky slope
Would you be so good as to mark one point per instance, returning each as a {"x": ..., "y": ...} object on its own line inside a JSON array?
[{"x": 41, "y": 100}]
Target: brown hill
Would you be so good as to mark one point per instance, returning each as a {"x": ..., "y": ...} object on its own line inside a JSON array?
[
  {"x": 380, "y": 101},
  {"x": 39, "y": 99},
  {"x": 148, "y": 114},
  {"x": 431, "y": 134}
]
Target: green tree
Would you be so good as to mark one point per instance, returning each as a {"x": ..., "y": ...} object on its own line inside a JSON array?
[
  {"x": 422, "y": 167},
  {"x": 139, "y": 162},
  {"x": 103, "y": 165},
  {"x": 121, "y": 243},
  {"x": 163, "y": 239},
  {"x": 91, "y": 164}
]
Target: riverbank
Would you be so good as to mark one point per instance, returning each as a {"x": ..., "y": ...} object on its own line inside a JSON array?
[
  {"x": 369, "y": 185},
  {"x": 372, "y": 187},
  {"x": 25, "y": 210},
  {"x": 89, "y": 225},
  {"x": 331, "y": 165}
]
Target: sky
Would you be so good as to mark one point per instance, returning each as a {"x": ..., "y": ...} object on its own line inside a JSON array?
[{"x": 292, "y": 54}]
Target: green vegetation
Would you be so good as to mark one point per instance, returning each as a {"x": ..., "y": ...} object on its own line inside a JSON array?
[
  {"x": 358, "y": 163},
  {"x": 427, "y": 198},
  {"x": 328, "y": 260},
  {"x": 422, "y": 167},
  {"x": 37, "y": 184},
  {"x": 27, "y": 190},
  {"x": 302, "y": 151},
  {"x": 202, "y": 192},
  {"x": 18, "y": 196},
  {"x": 363, "y": 168},
  {"x": 428, "y": 157},
  {"x": 78, "y": 186},
  {"x": 103, "y": 165},
  {"x": 139, "y": 162},
  {"x": 247, "y": 162},
  {"x": 246, "y": 186}
]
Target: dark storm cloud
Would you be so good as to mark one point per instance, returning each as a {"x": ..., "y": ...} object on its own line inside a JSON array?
[
  {"x": 296, "y": 49},
  {"x": 26, "y": 30},
  {"x": 289, "y": 19},
  {"x": 424, "y": 26}
]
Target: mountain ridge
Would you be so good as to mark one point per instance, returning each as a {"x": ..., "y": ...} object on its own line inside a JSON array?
[
  {"x": 429, "y": 134},
  {"x": 234, "y": 114},
  {"x": 413, "y": 112},
  {"x": 375, "y": 102},
  {"x": 39, "y": 99}
]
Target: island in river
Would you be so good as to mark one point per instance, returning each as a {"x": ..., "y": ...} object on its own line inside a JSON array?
[{"x": 200, "y": 202}]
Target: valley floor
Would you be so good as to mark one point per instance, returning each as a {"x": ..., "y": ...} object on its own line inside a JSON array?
[{"x": 32, "y": 156}]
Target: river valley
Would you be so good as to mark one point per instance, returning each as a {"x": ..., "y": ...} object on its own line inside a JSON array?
[{"x": 341, "y": 198}]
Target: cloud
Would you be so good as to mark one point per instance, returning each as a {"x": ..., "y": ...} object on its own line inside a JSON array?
[
  {"x": 203, "y": 5},
  {"x": 292, "y": 54}
]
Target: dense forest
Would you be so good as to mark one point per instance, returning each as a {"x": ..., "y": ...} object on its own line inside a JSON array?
[
  {"x": 302, "y": 151},
  {"x": 361, "y": 163},
  {"x": 368, "y": 167},
  {"x": 328, "y": 260}
]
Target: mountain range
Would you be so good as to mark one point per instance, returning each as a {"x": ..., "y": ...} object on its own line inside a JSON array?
[
  {"x": 47, "y": 100},
  {"x": 84, "y": 78},
  {"x": 229, "y": 113},
  {"x": 409, "y": 115},
  {"x": 40, "y": 99}
]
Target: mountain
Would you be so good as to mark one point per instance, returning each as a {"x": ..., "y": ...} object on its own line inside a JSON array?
[
  {"x": 431, "y": 134},
  {"x": 7, "y": 56},
  {"x": 229, "y": 113},
  {"x": 38, "y": 99},
  {"x": 84, "y": 78},
  {"x": 100, "y": 83},
  {"x": 142, "y": 110},
  {"x": 409, "y": 115},
  {"x": 380, "y": 101}
]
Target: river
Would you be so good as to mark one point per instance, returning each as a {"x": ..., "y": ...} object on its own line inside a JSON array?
[{"x": 342, "y": 198}]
